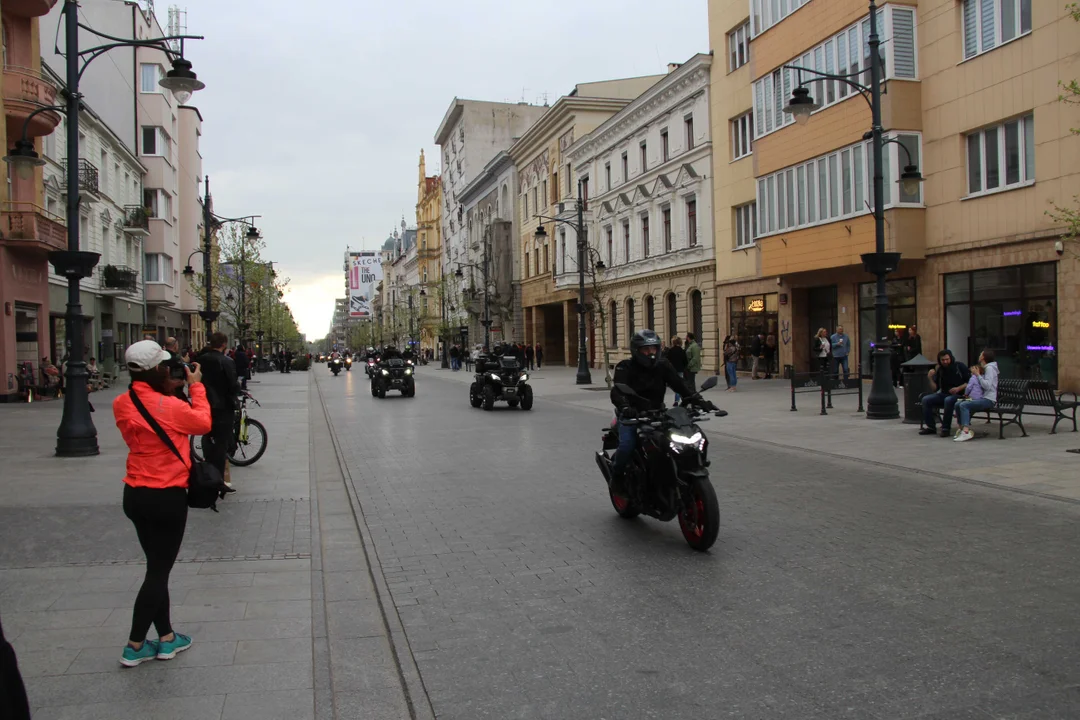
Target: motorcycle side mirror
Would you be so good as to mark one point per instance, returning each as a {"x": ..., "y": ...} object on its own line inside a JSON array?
[
  {"x": 709, "y": 383},
  {"x": 625, "y": 389}
]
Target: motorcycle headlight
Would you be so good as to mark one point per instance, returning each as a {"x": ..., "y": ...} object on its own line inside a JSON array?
[
  {"x": 385, "y": 372},
  {"x": 680, "y": 442}
]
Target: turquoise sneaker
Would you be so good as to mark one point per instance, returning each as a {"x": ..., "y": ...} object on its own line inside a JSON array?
[
  {"x": 133, "y": 657},
  {"x": 168, "y": 650}
]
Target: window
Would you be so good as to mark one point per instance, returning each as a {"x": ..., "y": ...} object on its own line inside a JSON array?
[
  {"x": 650, "y": 312},
  {"x": 150, "y": 145},
  {"x": 738, "y": 42},
  {"x": 745, "y": 225},
  {"x": 848, "y": 52},
  {"x": 613, "y": 318},
  {"x": 554, "y": 188},
  {"x": 149, "y": 76},
  {"x": 691, "y": 223},
  {"x": 831, "y": 187},
  {"x": 525, "y": 196},
  {"x": 766, "y": 13},
  {"x": 742, "y": 135},
  {"x": 697, "y": 320},
  {"x": 547, "y": 266},
  {"x": 689, "y": 123},
  {"x": 626, "y": 240},
  {"x": 585, "y": 193},
  {"x": 663, "y": 145},
  {"x": 569, "y": 181},
  {"x": 607, "y": 175},
  {"x": 644, "y": 156},
  {"x": 544, "y": 194},
  {"x": 159, "y": 203},
  {"x": 625, "y": 168},
  {"x": 630, "y": 322},
  {"x": 667, "y": 228},
  {"x": 560, "y": 260},
  {"x": 610, "y": 245},
  {"x": 158, "y": 268},
  {"x": 645, "y": 235},
  {"x": 672, "y": 315},
  {"x": 990, "y": 23},
  {"x": 1001, "y": 157}
]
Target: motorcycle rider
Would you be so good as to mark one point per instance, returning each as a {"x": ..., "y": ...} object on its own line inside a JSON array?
[{"x": 649, "y": 376}]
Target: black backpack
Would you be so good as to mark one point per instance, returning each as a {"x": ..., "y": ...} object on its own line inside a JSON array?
[{"x": 205, "y": 484}]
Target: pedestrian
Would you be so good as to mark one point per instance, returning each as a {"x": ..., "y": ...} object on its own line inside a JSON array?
[
  {"x": 288, "y": 361},
  {"x": 770, "y": 355},
  {"x": 677, "y": 357},
  {"x": 731, "y": 362},
  {"x": 222, "y": 389},
  {"x": 948, "y": 380},
  {"x": 912, "y": 344},
  {"x": 980, "y": 394},
  {"x": 242, "y": 365},
  {"x": 155, "y": 495},
  {"x": 14, "y": 704},
  {"x": 172, "y": 345},
  {"x": 539, "y": 356},
  {"x": 897, "y": 357},
  {"x": 530, "y": 355},
  {"x": 755, "y": 355},
  {"x": 455, "y": 357},
  {"x": 821, "y": 349},
  {"x": 693, "y": 361},
  {"x": 840, "y": 344}
]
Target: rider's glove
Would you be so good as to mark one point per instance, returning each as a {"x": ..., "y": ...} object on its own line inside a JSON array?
[{"x": 627, "y": 413}]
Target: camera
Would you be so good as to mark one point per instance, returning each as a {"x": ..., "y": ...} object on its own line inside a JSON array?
[{"x": 178, "y": 368}]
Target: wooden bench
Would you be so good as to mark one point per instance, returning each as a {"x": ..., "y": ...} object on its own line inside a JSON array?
[{"x": 1041, "y": 394}]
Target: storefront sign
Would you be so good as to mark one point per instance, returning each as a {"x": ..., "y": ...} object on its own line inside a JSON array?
[
  {"x": 898, "y": 327},
  {"x": 1040, "y": 324},
  {"x": 1041, "y": 348},
  {"x": 756, "y": 306},
  {"x": 1014, "y": 313}
]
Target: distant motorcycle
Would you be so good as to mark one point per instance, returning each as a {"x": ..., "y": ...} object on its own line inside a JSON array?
[
  {"x": 335, "y": 365},
  {"x": 348, "y": 364},
  {"x": 668, "y": 475}
]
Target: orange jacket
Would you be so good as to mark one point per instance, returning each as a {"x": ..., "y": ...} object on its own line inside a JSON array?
[{"x": 150, "y": 463}]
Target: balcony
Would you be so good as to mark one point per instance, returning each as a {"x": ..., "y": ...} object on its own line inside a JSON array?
[
  {"x": 29, "y": 8},
  {"x": 136, "y": 220},
  {"x": 119, "y": 280},
  {"x": 160, "y": 294},
  {"x": 26, "y": 90},
  {"x": 88, "y": 179},
  {"x": 29, "y": 227}
]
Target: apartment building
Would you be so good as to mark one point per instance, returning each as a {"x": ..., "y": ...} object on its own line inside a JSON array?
[
  {"x": 429, "y": 254},
  {"x": 972, "y": 99}
]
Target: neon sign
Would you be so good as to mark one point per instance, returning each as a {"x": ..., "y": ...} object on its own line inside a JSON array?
[
  {"x": 1041, "y": 348},
  {"x": 1014, "y": 313},
  {"x": 1040, "y": 324},
  {"x": 898, "y": 327},
  {"x": 756, "y": 306}
]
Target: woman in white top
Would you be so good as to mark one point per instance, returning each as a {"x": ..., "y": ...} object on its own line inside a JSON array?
[{"x": 822, "y": 348}]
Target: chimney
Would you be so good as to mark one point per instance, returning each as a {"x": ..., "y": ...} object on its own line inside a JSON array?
[{"x": 672, "y": 67}]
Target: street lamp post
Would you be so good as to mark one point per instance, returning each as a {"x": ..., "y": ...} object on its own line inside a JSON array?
[
  {"x": 442, "y": 307},
  {"x": 211, "y": 222},
  {"x": 584, "y": 377},
  {"x": 77, "y": 436},
  {"x": 881, "y": 403}
]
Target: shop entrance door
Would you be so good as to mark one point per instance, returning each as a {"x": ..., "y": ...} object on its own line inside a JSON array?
[{"x": 822, "y": 312}]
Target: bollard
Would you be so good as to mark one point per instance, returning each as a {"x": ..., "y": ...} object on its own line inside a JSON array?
[{"x": 822, "y": 383}]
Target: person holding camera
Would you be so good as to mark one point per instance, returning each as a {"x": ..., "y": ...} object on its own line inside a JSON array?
[{"x": 155, "y": 486}]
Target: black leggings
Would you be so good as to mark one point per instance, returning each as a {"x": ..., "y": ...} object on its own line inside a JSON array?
[{"x": 159, "y": 516}]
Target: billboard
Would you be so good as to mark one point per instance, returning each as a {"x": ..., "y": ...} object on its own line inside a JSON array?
[{"x": 365, "y": 272}]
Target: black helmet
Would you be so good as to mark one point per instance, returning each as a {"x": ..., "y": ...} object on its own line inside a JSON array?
[{"x": 641, "y": 340}]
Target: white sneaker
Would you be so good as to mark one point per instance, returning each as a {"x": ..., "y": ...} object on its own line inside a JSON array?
[{"x": 964, "y": 435}]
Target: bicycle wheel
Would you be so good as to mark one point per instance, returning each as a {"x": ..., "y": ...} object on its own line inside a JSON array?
[
  {"x": 196, "y": 449},
  {"x": 246, "y": 453}
]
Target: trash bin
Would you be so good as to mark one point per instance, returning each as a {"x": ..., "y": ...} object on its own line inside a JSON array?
[{"x": 915, "y": 385}]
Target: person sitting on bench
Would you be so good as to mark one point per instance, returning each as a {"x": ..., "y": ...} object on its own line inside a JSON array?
[
  {"x": 949, "y": 380},
  {"x": 981, "y": 394}
]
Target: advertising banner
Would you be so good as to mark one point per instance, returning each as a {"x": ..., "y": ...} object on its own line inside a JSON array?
[{"x": 365, "y": 272}]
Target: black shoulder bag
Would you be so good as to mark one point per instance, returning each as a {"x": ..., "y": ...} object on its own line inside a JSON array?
[{"x": 205, "y": 484}]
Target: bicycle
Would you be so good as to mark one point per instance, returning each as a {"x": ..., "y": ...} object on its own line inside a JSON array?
[{"x": 249, "y": 438}]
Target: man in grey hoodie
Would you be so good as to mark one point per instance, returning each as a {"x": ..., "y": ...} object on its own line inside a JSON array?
[{"x": 986, "y": 373}]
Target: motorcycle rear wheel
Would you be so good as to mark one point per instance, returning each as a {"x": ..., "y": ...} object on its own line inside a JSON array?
[
  {"x": 700, "y": 524},
  {"x": 623, "y": 506}
]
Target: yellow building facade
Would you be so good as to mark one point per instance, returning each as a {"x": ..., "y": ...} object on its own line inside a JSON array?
[
  {"x": 429, "y": 255},
  {"x": 972, "y": 101}
]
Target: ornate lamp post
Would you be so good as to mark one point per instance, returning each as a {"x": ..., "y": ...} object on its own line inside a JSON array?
[
  {"x": 584, "y": 377},
  {"x": 881, "y": 404},
  {"x": 77, "y": 436}
]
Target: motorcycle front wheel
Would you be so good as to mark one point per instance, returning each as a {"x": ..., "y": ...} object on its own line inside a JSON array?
[{"x": 699, "y": 518}]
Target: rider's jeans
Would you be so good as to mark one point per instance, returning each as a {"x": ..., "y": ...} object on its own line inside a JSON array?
[{"x": 627, "y": 443}]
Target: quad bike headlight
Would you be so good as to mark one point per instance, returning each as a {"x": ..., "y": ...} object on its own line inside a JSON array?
[
  {"x": 524, "y": 377},
  {"x": 385, "y": 372},
  {"x": 494, "y": 377},
  {"x": 408, "y": 371}
]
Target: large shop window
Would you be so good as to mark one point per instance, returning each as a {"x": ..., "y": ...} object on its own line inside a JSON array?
[
  {"x": 1012, "y": 310},
  {"x": 847, "y": 53},
  {"x": 750, "y": 315},
  {"x": 903, "y": 314}
]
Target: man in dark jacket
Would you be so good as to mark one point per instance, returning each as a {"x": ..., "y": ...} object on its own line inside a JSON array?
[
  {"x": 948, "y": 379},
  {"x": 756, "y": 348},
  {"x": 222, "y": 388},
  {"x": 529, "y": 356},
  {"x": 242, "y": 364}
]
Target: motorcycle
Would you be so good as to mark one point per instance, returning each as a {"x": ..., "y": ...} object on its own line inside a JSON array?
[
  {"x": 335, "y": 366},
  {"x": 668, "y": 475},
  {"x": 348, "y": 364},
  {"x": 369, "y": 367}
]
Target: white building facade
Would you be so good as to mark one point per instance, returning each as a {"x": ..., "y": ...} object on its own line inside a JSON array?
[{"x": 646, "y": 176}]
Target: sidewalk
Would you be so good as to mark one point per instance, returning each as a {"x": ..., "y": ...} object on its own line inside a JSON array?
[
  {"x": 274, "y": 590},
  {"x": 760, "y": 411}
]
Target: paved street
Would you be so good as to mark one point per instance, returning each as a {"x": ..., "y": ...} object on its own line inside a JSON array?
[{"x": 462, "y": 564}]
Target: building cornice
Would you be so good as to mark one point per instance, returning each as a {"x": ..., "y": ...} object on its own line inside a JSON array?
[{"x": 563, "y": 110}]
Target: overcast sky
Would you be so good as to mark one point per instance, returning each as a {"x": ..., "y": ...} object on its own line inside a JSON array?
[{"x": 315, "y": 120}]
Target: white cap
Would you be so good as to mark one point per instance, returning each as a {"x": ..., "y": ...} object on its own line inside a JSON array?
[{"x": 145, "y": 355}]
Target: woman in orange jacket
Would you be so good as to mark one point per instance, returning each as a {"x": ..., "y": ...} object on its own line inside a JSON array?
[{"x": 155, "y": 487}]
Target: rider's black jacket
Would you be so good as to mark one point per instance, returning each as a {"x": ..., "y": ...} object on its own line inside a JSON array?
[{"x": 649, "y": 383}]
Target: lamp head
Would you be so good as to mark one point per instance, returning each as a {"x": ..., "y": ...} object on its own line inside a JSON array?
[
  {"x": 541, "y": 233},
  {"x": 910, "y": 180},
  {"x": 189, "y": 272},
  {"x": 24, "y": 159},
  {"x": 458, "y": 273},
  {"x": 252, "y": 234},
  {"x": 181, "y": 80},
  {"x": 600, "y": 265},
  {"x": 801, "y": 105}
]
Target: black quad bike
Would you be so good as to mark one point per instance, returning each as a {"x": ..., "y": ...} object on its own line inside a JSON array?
[
  {"x": 501, "y": 379},
  {"x": 393, "y": 374},
  {"x": 668, "y": 475}
]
